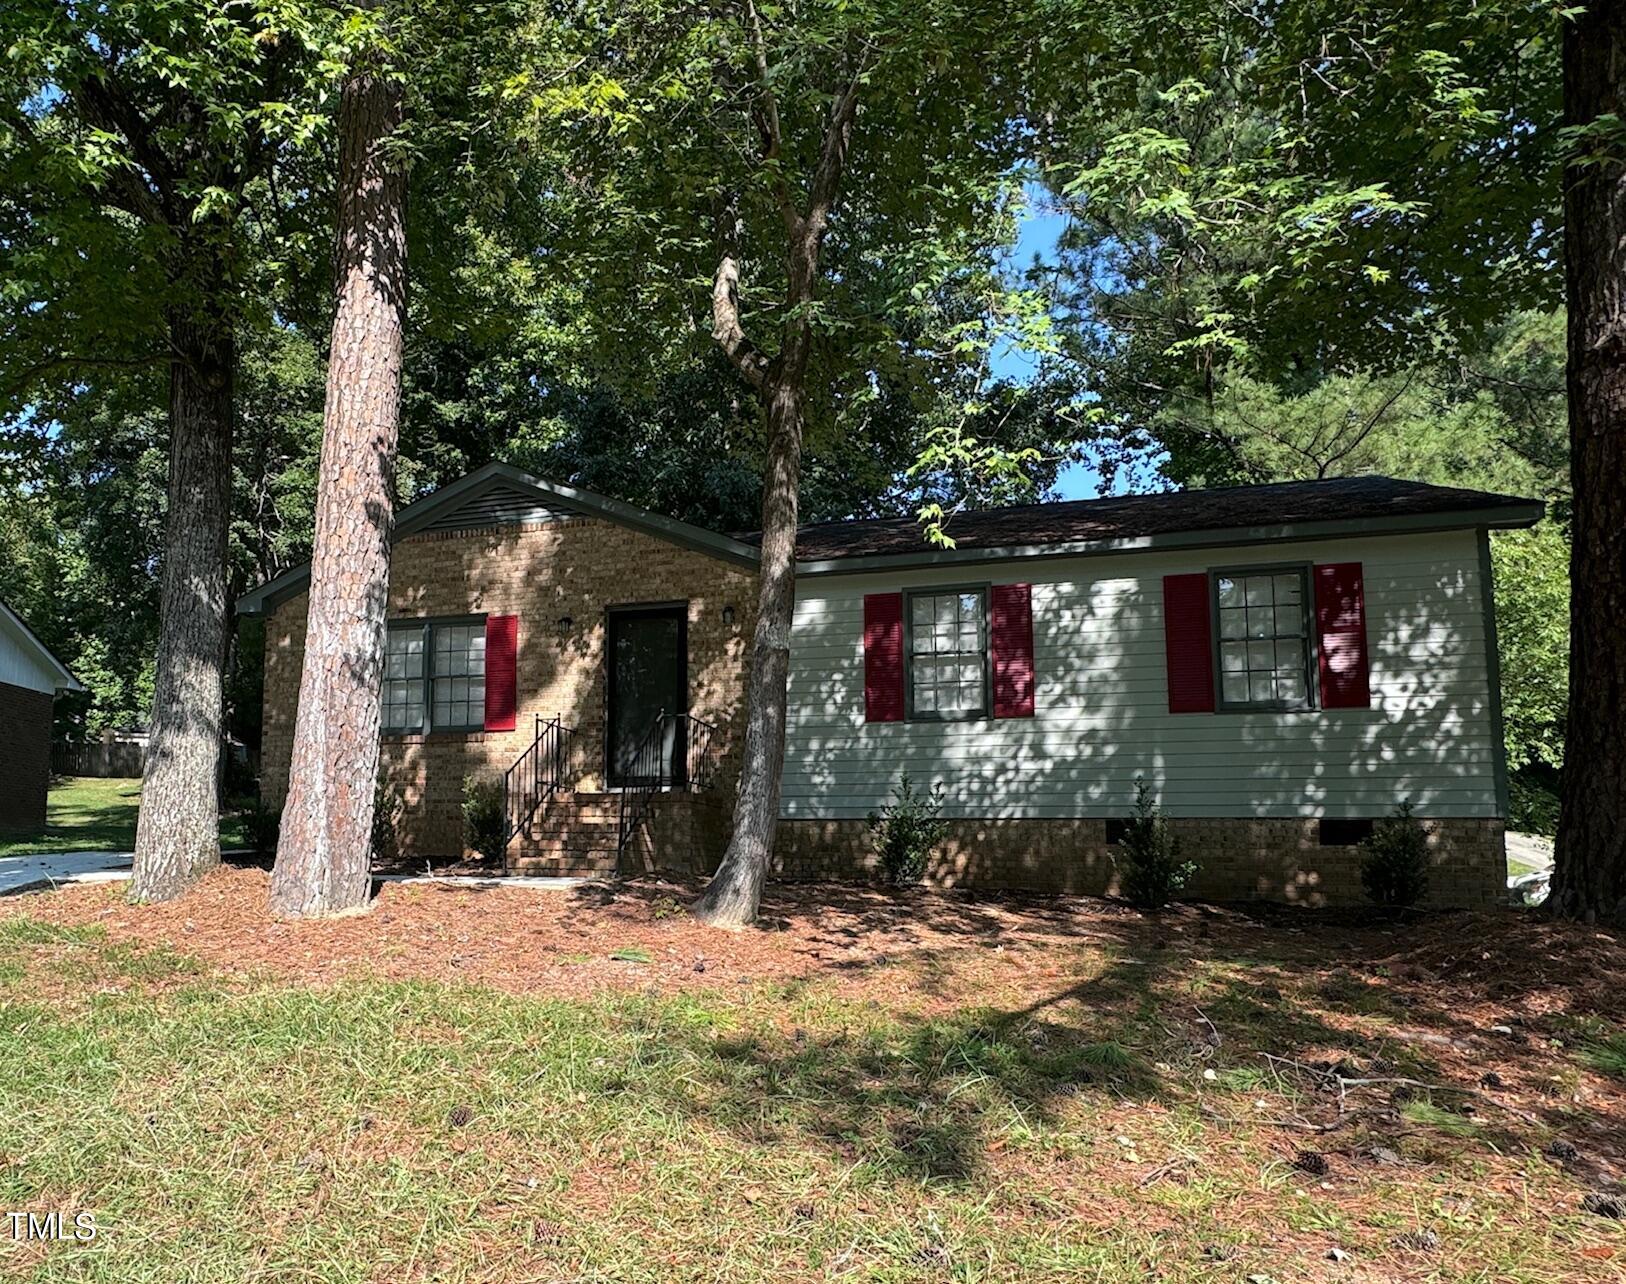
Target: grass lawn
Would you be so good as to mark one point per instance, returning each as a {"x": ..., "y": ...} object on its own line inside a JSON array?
[
  {"x": 1517, "y": 867},
  {"x": 468, "y": 1085},
  {"x": 87, "y": 814}
]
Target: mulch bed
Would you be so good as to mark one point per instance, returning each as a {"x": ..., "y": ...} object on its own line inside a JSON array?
[{"x": 927, "y": 949}]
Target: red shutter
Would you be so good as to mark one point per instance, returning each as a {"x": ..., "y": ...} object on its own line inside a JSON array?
[
  {"x": 1010, "y": 641},
  {"x": 883, "y": 657},
  {"x": 1188, "y": 639},
  {"x": 1340, "y": 621},
  {"x": 502, "y": 685}
]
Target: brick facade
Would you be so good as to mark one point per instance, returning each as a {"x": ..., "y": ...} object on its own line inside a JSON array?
[
  {"x": 25, "y": 760},
  {"x": 1277, "y": 860},
  {"x": 546, "y": 574}
]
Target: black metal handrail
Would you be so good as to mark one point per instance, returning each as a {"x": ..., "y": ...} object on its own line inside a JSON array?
[
  {"x": 675, "y": 753},
  {"x": 538, "y": 773}
]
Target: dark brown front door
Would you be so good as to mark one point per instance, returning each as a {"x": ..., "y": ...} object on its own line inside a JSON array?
[{"x": 648, "y": 677}]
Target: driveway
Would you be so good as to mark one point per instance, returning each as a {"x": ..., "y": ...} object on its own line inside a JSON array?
[{"x": 29, "y": 873}]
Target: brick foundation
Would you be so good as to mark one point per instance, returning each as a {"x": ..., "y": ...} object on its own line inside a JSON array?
[
  {"x": 25, "y": 759},
  {"x": 1277, "y": 860}
]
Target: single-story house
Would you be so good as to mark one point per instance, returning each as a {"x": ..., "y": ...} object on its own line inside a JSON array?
[
  {"x": 1283, "y": 664},
  {"x": 30, "y": 677}
]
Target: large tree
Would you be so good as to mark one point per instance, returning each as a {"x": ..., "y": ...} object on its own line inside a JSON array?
[
  {"x": 1305, "y": 191},
  {"x": 324, "y": 850},
  {"x": 138, "y": 143},
  {"x": 1589, "y": 879},
  {"x": 819, "y": 187},
  {"x": 1301, "y": 189}
]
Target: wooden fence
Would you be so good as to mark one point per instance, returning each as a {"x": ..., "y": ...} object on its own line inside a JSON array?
[{"x": 99, "y": 758}]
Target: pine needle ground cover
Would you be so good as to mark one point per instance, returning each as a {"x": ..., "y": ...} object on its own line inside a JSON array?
[{"x": 497, "y": 1085}]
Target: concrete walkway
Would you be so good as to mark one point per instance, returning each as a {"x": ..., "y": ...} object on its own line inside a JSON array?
[
  {"x": 40, "y": 871},
  {"x": 535, "y": 883},
  {"x": 1530, "y": 849}
]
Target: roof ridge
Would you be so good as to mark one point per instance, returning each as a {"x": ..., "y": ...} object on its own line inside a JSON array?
[{"x": 1053, "y": 504}]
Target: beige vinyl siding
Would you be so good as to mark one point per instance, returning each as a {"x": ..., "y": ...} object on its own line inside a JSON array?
[{"x": 1102, "y": 702}]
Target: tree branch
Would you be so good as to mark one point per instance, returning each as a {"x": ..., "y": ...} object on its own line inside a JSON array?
[
  {"x": 107, "y": 109},
  {"x": 18, "y": 385},
  {"x": 833, "y": 157},
  {"x": 726, "y": 328},
  {"x": 765, "y": 112}
]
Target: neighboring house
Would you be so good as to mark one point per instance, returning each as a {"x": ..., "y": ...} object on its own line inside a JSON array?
[
  {"x": 1283, "y": 664},
  {"x": 30, "y": 676}
]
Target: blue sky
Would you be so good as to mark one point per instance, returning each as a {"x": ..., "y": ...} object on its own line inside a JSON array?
[{"x": 1040, "y": 229}]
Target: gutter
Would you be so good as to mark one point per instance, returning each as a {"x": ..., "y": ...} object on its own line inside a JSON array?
[{"x": 1502, "y": 517}]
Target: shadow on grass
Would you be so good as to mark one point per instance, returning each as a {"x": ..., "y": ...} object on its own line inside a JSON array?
[
  {"x": 924, "y": 1099},
  {"x": 1286, "y": 1003}
]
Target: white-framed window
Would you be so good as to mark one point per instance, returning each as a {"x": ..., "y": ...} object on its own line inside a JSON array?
[
  {"x": 947, "y": 634},
  {"x": 1262, "y": 637},
  {"x": 435, "y": 676}
]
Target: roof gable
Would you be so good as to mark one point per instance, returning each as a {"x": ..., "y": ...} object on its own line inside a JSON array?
[
  {"x": 500, "y": 505},
  {"x": 500, "y": 494},
  {"x": 23, "y": 657}
]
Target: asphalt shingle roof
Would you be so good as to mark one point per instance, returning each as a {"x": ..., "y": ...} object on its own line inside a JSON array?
[{"x": 1131, "y": 516}]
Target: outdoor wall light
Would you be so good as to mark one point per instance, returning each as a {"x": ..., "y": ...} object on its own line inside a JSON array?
[
  {"x": 728, "y": 617},
  {"x": 565, "y": 625}
]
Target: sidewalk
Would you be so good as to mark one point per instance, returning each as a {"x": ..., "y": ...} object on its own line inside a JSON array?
[
  {"x": 43, "y": 871},
  {"x": 32, "y": 873}
]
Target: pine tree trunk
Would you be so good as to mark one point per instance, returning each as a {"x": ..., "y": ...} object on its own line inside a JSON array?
[
  {"x": 1589, "y": 877},
  {"x": 178, "y": 829},
  {"x": 324, "y": 852},
  {"x": 735, "y": 890}
]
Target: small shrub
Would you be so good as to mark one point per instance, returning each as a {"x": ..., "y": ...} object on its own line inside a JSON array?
[
  {"x": 1394, "y": 867},
  {"x": 906, "y": 831},
  {"x": 483, "y": 821},
  {"x": 387, "y": 809},
  {"x": 1153, "y": 874},
  {"x": 261, "y": 826}
]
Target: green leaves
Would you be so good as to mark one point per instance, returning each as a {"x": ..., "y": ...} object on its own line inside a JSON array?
[{"x": 1341, "y": 181}]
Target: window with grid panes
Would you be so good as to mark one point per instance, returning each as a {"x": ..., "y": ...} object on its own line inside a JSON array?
[
  {"x": 435, "y": 676},
  {"x": 403, "y": 679},
  {"x": 457, "y": 678},
  {"x": 948, "y": 654},
  {"x": 1263, "y": 638}
]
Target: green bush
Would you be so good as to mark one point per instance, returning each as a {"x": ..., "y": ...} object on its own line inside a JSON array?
[
  {"x": 1533, "y": 802},
  {"x": 1394, "y": 867},
  {"x": 261, "y": 825},
  {"x": 905, "y": 831},
  {"x": 387, "y": 809},
  {"x": 1153, "y": 874},
  {"x": 483, "y": 822}
]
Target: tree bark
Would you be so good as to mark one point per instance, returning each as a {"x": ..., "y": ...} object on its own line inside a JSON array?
[
  {"x": 178, "y": 829},
  {"x": 324, "y": 851},
  {"x": 735, "y": 891},
  {"x": 1589, "y": 876},
  {"x": 732, "y": 897}
]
